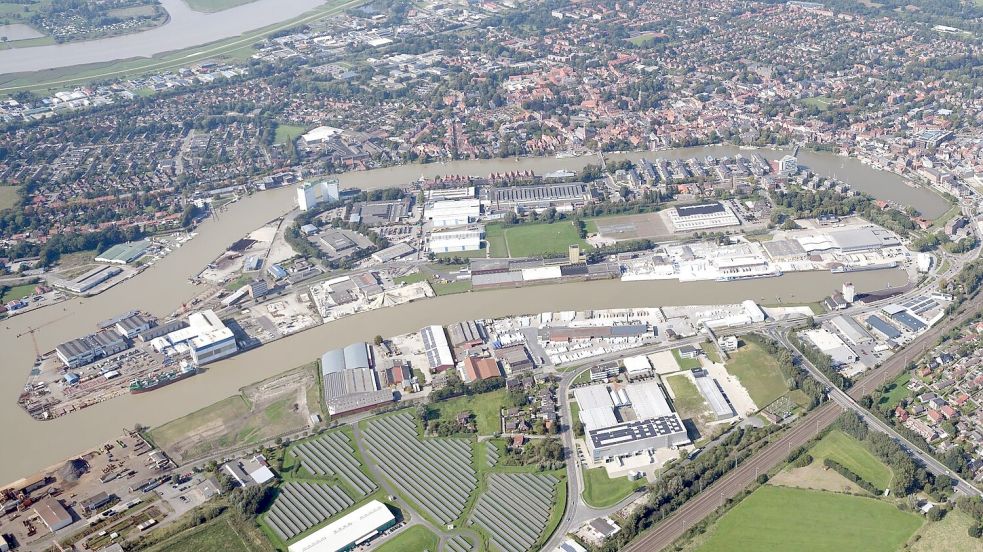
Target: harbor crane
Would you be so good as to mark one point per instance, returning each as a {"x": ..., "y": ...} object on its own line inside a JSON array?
[{"x": 32, "y": 331}]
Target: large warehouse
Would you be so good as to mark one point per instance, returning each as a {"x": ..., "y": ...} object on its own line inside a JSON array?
[
  {"x": 628, "y": 420},
  {"x": 459, "y": 239},
  {"x": 702, "y": 217},
  {"x": 354, "y": 529},
  {"x": 454, "y": 212},
  {"x": 350, "y": 381}
]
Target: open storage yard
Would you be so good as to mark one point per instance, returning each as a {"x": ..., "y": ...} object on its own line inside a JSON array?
[
  {"x": 780, "y": 518},
  {"x": 515, "y": 509},
  {"x": 438, "y": 475},
  {"x": 278, "y": 406}
]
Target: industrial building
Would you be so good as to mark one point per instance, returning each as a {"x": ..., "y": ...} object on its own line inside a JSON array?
[
  {"x": 393, "y": 252},
  {"x": 382, "y": 212},
  {"x": 459, "y": 239},
  {"x": 849, "y": 240},
  {"x": 714, "y": 395},
  {"x": 355, "y": 528},
  {"x": 702, "y": 217},
  {"x": 88, "y": 280},
  {"x": 831, "y": 344},
  {"x": 84, "y": 350},
  {"x": 901, "y": 315},
  {"x": 309, "y": 194},
  {"x": 638, "y": 366},
  {"x": 574, "y": 333},
  {"x": 454, "y": 212},
  {"x": 852, "y": 330},
  {"x": 133, "y": 325},
  {"x": 206, "y": 339},
  {"x": 562, "y": 197},
  {"x": 479, "y": 368},
  {"x": 468, "y": 334},
  {"x": 880, "y": 326},
  {"x": 436, "y": 348},
  {"x": 350, "y": 381},
  {"x": 124, "y": 253},
  {"x": 628, "y": 420},
  {"x": 52, "y": 513}
]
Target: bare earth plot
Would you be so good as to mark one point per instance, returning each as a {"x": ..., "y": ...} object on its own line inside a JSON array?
[
  {"x": 274, "y": 407},
  {"x": 815, "y": 476},
  {"x": 631, "y": 227}
]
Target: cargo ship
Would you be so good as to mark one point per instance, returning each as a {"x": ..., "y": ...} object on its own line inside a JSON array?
[{"x": 161, "y": 380}]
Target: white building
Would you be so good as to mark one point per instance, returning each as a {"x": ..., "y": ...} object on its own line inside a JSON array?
[
  {"x": 702, "y": 217},
  {"x": 454, "y": 212},
  {"x": 638, "y": 366},
  {"x": 206, "y": 339},
  {"x": 753, "y": 311},
  {"x": 357, "y": 527},
  {"x": 462, "y": 239},
  {"x": 728, "y": 343},
  {"x": 320, "y": 134},
  {"x": 310, "y": 194}
]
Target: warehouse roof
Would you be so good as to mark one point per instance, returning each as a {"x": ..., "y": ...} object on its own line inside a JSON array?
[
  {"x": 636, "y": 431},
  {"x": 350, "y": 529},
  {"x": 700, "y": 209}
]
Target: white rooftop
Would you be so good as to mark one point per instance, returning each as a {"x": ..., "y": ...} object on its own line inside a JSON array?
[{"x": 350, "y": 529}]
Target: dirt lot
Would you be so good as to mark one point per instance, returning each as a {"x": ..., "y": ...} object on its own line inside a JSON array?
[
  {"x": 815, "y": 476},
  {"x": 273, "y": 407}
]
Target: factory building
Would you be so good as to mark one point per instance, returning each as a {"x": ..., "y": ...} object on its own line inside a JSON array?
[
  {"x": 354, "y": 529},
  {"x": 436, "y": 348},
  {"x": 628, "y": 420},
  {"x": 88, "y": 280},
  {"x": 350, "y": 381},
  {"x": 850, "y": 240},
  {"x": 880, "y": 326},
  {"x": 205, "y": 339},
  {"x": 702, "y": 217},
  {"x": 852, "y": 330},
  {"x": 84, "y": 350},
  {"x": 133, "y": 325},
  {"x": 454, "y": 212},
  {"x": 562, "y": 197},
  {"x": 714, "y": 395},
  {"x": 310, "y": 194},
  {"x": 52, "y": 513},
  {"x": 454, "y": 240},
  {"x": 124, "y": 253},
  {"x": 475, "y": 369}
]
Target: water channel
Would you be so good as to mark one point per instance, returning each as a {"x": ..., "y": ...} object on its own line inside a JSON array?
[
  {"x": 186, "y": 28},
  {"x": 164, "y": 287}
]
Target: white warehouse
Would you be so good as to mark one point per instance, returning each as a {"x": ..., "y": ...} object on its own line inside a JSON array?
[
  {"x": 454, "y": 212},
  {"x": 462, "y": 239}
]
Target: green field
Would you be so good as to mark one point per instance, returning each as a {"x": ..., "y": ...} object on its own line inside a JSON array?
[
  {"x": 287, "y": 133},
  {"x": 221, "y": 533},
  {"x": 416, "y": 538},
  {"x": 460, "y": 286},
  {"x": 896, "y": 390},
  {"x": 209, "y": 6},
  {"x": 601, "y": 491},
  {"x": 710, "y": 350},
  {"x": 8, "y": 197},
  {"x": 951, "y": 533},
  {"x": 533, "y": 240},
  {"x": 849, "y": 452},
  {"x": 685, "y": 363},
  {"x": 819, "y": 102},
  {"x": 689, "y": 402},
  {"x": 758, "y": 372},
  {"x": 413, "y": 278},
  {"x": 495, "y": 238},
  {"x": 781, "y": 518},
  {"x": 17, "y": 292},
  {"x": 486, "y": 407},
  {"x": 478, "y": 253}
]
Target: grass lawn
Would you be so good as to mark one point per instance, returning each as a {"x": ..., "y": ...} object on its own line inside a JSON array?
[
  {"x": 478, "y": 253},
  {"x": 209, "y": 6},
  {"x": 240, "y": 281},
  {"x": 896, "y": 390},
  {"x": 410, "y": 278},
  {"x": 710, "y": 350},
  {"x": 221, "y": 533},
  {"x": 532, "y": 240},
  {"x": 8, "y": 197},
  {"x": 951, "y": 533},
  {"x": 459, "y": 286},
  {"x": 689, "y": 402},
  {"x": 17, "y": 292},
  {"x": 583, "y": 377},
  {"x": 846, "y": 450},
  {"x": 495, "y": 240},
  {"x": 820, "y": 102},
  {"x": 284, "y": 133},
  {"x": 486, "y": 408},
  {"x": 758, "y": 372},
  {"x": 413, "y": 539},
  {"x": 781, "y": 518},
  {"x": 685, "y": 363},
  {"x": 600, "y": 491}
]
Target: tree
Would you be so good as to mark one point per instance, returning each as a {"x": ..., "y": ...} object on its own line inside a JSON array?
[{"x": 378, "y": 340}]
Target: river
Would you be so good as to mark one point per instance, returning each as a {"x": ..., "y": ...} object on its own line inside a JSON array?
[
  {"x": 163, "y": 287},
  {"x": 186, "y": 28}
]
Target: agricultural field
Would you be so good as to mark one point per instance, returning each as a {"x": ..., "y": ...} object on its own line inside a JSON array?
[
  {"x": 781, "y": 518},
  {"x": 758, "y": 372},
  {"x": 515, "y": 509},
  {"x": 416, "y": 537},
  {"x": 437, "y": 475},
  {"x": 263, "y": 411},
  {"x": 532, "y": 240},
  {"x": 601, "y": 491},
  {"x": 486, "y": 407},
  {"x": 332, "y": 455},
  {"x": 852, "y": 454},
  {"x": 300, "y": 506}
]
